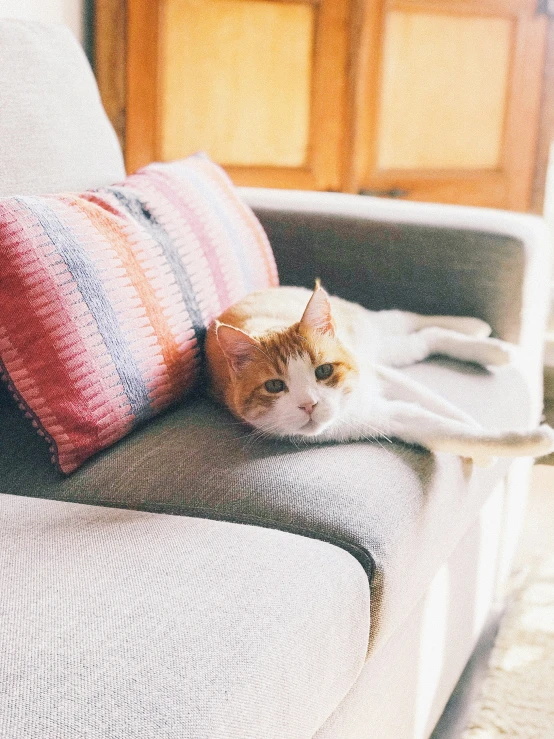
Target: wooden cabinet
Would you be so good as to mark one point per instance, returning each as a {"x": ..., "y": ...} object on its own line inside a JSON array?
[
  {"x": 449, "y": 100},
  {"x": 424, "y": 99},
  {"x": 258, "y": 84}
]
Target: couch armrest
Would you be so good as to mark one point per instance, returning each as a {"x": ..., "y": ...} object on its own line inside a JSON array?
[{"x": 421, "y": 257}]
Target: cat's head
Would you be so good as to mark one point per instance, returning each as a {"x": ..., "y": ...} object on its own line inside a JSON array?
[{"x": 291, "y": 382}]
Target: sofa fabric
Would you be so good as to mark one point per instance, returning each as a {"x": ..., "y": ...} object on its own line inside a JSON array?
[
  {"x": 453, "y": 285},
  {"x": 423, "y": 257},
  {"x": 118, "y": 623},
  {"x": 123, "y": 624},
  {"x": 405, "y": 686},
  {"x": 106, "y": 296},
  {"x": 399, "y": 508},
  {"x": 54, "y": 133}
]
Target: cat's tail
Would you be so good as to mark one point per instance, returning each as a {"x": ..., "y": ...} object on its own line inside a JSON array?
[{"x": 535, "y": 443}]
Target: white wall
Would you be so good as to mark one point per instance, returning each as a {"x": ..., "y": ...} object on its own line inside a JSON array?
[{"x": 69, "y": 12}]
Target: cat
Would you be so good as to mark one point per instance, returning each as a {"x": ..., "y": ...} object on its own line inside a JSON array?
[{"x": 302, "y": 365}]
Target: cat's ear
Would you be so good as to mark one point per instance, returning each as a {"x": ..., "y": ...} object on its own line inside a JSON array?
[
  {"x": 238, "y": 346},
  {"x": 317, "y": 315}
]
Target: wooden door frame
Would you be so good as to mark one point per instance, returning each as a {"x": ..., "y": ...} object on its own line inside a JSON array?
[
  {"x": 546, "y": 124},
  {"x": 110, "y": 66}
]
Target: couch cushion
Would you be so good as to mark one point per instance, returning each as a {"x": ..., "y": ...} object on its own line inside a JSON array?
[
  {"x": 54, "y": 133},
  {"x": 105, "y": 297},
  {"x": 400, "y": 506},
  {"x": 124, "y": 624}
]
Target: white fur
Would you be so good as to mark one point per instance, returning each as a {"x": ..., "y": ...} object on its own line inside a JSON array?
[
  {"x": 288, "y": 417},
  {"x": 384, "y": 403}
]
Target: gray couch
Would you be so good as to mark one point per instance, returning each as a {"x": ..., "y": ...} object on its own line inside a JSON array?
[{"x": 191, "y": 583}]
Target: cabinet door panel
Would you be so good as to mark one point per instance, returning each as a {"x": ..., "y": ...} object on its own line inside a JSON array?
[
  {"x": 248, "y": 81},
  {"x": 246, "y": 102},
  {"x": 427, "y": 122},
  {"x": 425, "y": 99},
  {"x": 450, "y": 105}
]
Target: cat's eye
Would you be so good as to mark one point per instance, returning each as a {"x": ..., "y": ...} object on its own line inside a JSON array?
[
  {"x": 323, "y": 371},
  {"x": 274, "y": 386}
]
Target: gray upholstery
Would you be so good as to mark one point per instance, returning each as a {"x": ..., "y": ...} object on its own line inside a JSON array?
[
  {"x": 116, "y": 624},
  {"x": 122, "y": 624},
  {"x": 379, "y": 503},
  {"x": 54, "y": 133},
  {"x": 424, "y": 257},
  {"x": 404, "y": 687},
  {"x": 422, "y": 268}
]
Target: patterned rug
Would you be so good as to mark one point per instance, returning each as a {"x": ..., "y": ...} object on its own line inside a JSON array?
[{"x": 517, "y": 697}]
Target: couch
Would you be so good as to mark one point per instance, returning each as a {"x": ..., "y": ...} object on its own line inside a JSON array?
[{"x": 191, "y": 582}]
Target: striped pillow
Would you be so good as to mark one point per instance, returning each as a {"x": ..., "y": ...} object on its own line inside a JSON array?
[{"x": 105, "y": 297}]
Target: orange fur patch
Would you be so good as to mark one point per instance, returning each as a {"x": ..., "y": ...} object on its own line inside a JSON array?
[{"x": 244, "y": 393}]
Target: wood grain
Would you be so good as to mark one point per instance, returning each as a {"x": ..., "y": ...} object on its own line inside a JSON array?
[
  {"x": 443, "y": 94},
  {"x": 345, "y": 93},
  {"x": 522, "y": 123},
  {"x": 238, "y": 94},
  {"x": 142, "y": 80},
  {"x": 110, "y": 58},
  {"x": 546, "y": 124},
  {"x": 309, "y": 156},
  {"x": 462, "y": 7},
  {"x": 329, "y": 95},
  {"x": 502, "y": 173}
]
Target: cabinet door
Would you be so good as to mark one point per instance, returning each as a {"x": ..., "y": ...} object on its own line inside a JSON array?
[
  {"x": 258, "y": 84},
  {"x": 448, "y": 102}
]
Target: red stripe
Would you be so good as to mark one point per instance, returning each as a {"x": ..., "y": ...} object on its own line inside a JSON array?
[{"x": 30, "y": 334}]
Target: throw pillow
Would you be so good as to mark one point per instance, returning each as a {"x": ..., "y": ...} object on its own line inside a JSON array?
[{"x": 105, "y": 297}]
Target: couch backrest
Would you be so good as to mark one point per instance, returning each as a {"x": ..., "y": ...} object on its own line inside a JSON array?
[{"x": 54, "y": 133}]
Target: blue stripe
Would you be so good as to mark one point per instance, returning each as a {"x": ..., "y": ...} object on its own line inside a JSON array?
[
  {"x": 90, "y": 285},
  {"x": 145, "y": 218},
  {"x": 209, "y": 191}
]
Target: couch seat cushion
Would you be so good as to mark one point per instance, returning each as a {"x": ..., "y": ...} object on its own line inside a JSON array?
[
  {"x": 129, "y": 624},
  {"x": 393, "y": 505}
]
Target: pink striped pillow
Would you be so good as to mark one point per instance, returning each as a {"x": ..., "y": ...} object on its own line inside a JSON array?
[{"x": 105, "y": 297}]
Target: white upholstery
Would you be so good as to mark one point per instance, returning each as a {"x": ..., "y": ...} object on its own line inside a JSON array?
[
  {"x": 54, "y": 133},
  {"x": 123, "y": 624}
]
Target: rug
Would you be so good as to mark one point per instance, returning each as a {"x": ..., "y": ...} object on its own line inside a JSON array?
[{"x": 517, "y": 697}]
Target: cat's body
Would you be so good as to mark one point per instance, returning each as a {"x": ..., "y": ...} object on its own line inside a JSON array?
[{"x": 308, "y": 366}]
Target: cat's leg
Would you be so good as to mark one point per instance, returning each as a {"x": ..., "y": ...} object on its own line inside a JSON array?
[
  {"x": 396, "y": 385},
  {"x": 403, "y": 322},
  {"x": 401, "y": 351},
  {"x": 415, "y": 425}
]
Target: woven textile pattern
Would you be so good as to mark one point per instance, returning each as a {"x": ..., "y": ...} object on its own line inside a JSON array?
[{"x": 105, "y": 297}]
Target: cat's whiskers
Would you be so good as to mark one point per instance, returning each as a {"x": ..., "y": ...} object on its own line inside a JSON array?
[
  {"x": 269, "y": 431},
  {"x": 274, "y": 430},
  {"x": 375, "y": 439},
  {"x": 377, "y": 432},
  {"x": 257, "y": 341},
  {"x": 381, "y": 434}
]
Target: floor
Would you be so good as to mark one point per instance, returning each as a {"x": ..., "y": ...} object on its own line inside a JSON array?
[{"x": 537, "y": 537}]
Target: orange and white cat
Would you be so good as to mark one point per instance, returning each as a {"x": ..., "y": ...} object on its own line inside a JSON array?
[{"x": 304, "y": 365}]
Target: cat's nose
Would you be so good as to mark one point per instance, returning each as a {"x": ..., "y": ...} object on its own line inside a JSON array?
[{"x": 308, "y": 406}]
